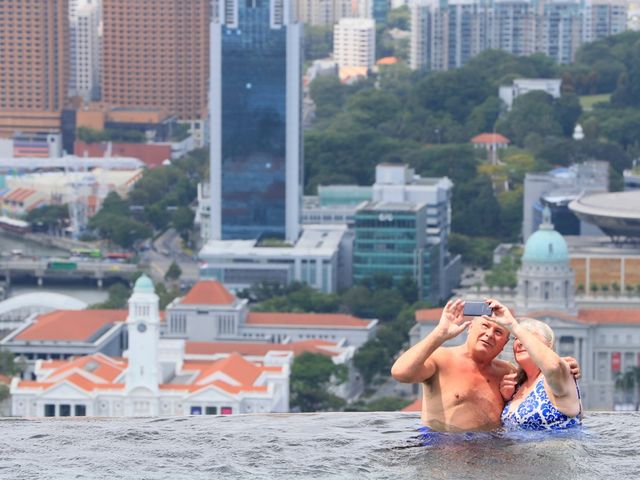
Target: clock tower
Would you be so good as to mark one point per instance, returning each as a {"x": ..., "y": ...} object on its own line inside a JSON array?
[{"x": 143, "y": 324}]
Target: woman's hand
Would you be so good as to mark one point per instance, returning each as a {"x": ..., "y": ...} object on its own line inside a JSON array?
[
  {"x": 501, "y": 314},
  {"x": 508, "y": 386}
]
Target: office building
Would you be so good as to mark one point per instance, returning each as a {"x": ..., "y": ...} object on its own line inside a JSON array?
[
  {"x": 391, "y": 239},
  {"x": 34, "y": 54},
  {"x": 447, "y": 34},
  {"x": 156, "y": 55},
  {"x": 256, "y": 147},
  {"x": 354, "y": 42}
]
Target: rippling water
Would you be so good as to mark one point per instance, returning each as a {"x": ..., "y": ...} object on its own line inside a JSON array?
[{"x": 324, "y": 445}]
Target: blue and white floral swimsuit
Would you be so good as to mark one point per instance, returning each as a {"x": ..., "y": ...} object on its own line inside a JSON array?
[{"x": 537, "y": 412}]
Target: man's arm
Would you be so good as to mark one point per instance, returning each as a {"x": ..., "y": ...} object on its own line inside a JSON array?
[{"x": 417, "y": 364}]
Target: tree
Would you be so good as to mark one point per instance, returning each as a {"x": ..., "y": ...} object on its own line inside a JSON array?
[
  {"x": 8, "y": 365},
  {"x": 51, "y": 216},
  {"x": 311, "y": 376},
  {"x": 531, "y": 112},
  {"x": 173, "y": 272},
  {"x": 182, "y": 221},
  {"x": 118, "y": 296},
  {"x": 318, "y": 42}
]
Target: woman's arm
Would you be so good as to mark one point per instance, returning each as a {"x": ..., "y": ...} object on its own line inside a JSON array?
[{"x": 555, "y": 370}]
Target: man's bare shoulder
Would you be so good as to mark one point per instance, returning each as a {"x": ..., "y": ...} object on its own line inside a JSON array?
[{"x": 503, "y": 367}]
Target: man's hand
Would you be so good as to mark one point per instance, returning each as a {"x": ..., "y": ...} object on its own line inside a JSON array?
[
  {"x": 573, "y": 366},
  {"x": 508, "y": 386},
  {"x": 501, "y": 314},
  {"x": 452, "y": 321}
]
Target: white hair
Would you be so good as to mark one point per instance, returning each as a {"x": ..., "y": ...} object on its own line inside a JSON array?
[{"x": 541, "y": 328}]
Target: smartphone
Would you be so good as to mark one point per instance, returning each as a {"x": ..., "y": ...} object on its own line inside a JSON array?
[{"x": 476, "y": 309}]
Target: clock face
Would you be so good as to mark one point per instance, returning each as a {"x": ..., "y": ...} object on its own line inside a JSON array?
[{"x": 142, "y": 327}]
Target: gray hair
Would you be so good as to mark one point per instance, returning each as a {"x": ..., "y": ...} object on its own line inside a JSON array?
[{"x": 541, "y": 328}]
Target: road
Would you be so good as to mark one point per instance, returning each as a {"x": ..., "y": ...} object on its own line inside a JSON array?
[{"x": 165, "y": 249}]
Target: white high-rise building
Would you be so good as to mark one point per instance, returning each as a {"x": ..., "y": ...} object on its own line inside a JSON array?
[
  {"x": 326, "y": 12},
  {"x": 84, "y": 41},
  {"x": 354, "y": 42},
  {"x": 446, "y": 34}
]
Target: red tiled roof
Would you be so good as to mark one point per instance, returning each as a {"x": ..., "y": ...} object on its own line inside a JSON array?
[
  {"x": 428, "y": 315},
  {"x": 415, "y": 406},
  {"x": 387, "y": 61},
  {"x": 595, "y": 316},
  {"x": 98, "y": 365},
  {"x": 208, "y": 292},
  {"x": 320, "y": 320},
  {"x": 19, "y": 194},
  {"x": 490, "y": 138},
  {"x": 260, "y": 348},
  {"x": 70, "y": 325}
]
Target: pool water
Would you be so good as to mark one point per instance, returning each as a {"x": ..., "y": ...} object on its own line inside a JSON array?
[{"x": 323, "y": 445}]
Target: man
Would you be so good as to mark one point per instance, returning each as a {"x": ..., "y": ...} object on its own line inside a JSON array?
[{"x": 461, "y": 385}]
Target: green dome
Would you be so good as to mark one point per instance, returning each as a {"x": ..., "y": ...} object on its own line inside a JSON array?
[
  {"x": 144, "y": 285},
  {"x": 546, "y": 245}
]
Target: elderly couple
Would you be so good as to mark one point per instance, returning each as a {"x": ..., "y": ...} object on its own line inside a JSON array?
[{"x": 467, "y": 388}]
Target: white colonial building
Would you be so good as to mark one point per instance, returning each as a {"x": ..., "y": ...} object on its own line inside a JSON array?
[{"x": 153, "y": 378}]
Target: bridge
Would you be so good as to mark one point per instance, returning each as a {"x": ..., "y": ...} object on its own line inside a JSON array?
[{"x": 56, "y": 268}]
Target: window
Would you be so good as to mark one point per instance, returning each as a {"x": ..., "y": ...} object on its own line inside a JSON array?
[
  {"x": 80, "y": 411},
  {"x": 65, "y": 410},
  {"x": 211, "y": 410},
  {"x": 196, "y": 410},
  {"x": 49, "y": 410},
  {"x": 226, "y": 410}
]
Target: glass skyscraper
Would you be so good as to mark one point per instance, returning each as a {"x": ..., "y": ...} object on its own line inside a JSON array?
[{"x": 255, "y": 108}]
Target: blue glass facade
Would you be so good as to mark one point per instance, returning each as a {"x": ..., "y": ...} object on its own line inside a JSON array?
[{"x": 253, "y": 124}]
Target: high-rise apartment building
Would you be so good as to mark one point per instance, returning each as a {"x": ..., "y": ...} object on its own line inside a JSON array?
[
  {"x": 155, "y": 54},
  {"x": 446, "y": 34},
  {"x": 256, "y": 148},
  {"x": 326, "y": 12},
  {"x": 84, "y": 28},
  {"x": 354, "y": 42},
  {"x": 34, "y": 60}
]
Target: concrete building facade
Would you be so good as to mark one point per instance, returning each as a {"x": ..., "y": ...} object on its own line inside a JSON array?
[
  {"x": 354, "y": 42},
  {"x": 34, "y": 53},
  {"x": 156, "y": 55}
]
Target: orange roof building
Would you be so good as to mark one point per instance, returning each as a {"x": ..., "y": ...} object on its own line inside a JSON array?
[
  {"x": 210, "y": 313},
  {"x": 153, "y": 378},
  {"x": 63, "y": 334},
  {"x": 490, "y": 139}
]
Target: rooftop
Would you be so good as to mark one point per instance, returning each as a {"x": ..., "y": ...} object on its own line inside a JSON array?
[
  {"x": 208, "y": 292},
  {"x": 490, "y": 139},
  {"x": 71, "y": 325},
  {"x": 324, "y": 347},
  {"x": 312, "y": 320}
]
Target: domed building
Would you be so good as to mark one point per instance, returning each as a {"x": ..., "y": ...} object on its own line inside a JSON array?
[{"x": 545, "y": 279}]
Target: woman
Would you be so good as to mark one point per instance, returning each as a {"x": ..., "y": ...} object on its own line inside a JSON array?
[{"x": 546, "y": 394}]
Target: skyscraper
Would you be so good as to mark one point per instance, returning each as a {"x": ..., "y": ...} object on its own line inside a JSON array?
[
  {"x": 84, "y": 24},
  {"x": 255, "y": 108},
  {"x": 34, "y": 55},
  {"x": 155, "y": 55}
]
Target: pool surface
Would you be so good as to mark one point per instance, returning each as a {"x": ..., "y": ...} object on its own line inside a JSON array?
[{"x": 323, "y": 445}]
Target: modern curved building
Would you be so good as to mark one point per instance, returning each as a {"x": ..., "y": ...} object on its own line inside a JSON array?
[{"x": 617, "y": 214}]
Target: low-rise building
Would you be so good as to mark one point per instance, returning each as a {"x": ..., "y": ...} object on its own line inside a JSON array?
[
  {"x": 154, "y": 378},
  {"x": 210, "y": 313},
  {"x": 321, "y": 257},
  {"x": 522, "y": 86}
]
